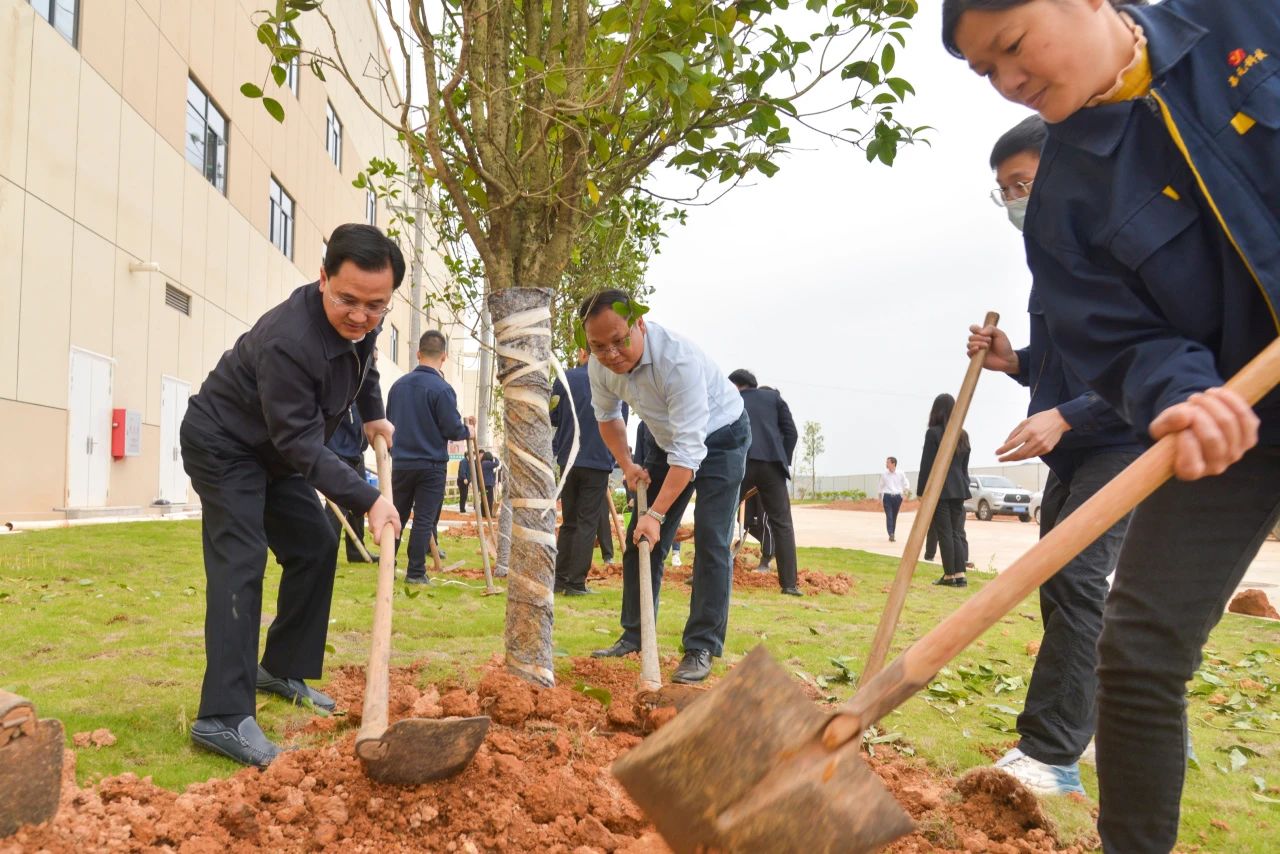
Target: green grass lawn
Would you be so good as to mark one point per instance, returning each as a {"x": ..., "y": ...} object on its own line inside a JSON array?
[{"x": 102, "y": 627}]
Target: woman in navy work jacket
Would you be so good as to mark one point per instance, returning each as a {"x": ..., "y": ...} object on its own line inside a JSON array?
[{"x": 1154, "y": 239}]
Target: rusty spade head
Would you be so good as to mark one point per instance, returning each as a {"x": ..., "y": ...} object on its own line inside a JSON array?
[
  {"x": 413, "y": 751},
  {"x": 744, "y": 769}
]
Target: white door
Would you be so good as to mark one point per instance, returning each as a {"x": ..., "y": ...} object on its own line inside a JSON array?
[
  {"x": 173, "y": 406},
  {"x": 89, "y": 430}
]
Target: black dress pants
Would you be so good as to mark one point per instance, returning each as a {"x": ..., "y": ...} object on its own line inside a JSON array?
[
  {"x": 604, "y": 533},
  {"x": 355, "y": 518},
  {"x": 245, "y": 513},
  {"x": 770, "y": 481},
  {"x": 583, "y": 503},
  {"x": 948, "y": 521},
  {"x": 462, "y": 495},
  {"x": 418, "y": 491}
]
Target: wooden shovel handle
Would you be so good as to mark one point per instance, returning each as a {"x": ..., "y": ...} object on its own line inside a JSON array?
[
  {"x": 477, "y": 477},
  {"x": 373, "y": 721},
  {"x": 921, "y": 662},
  {"x": 928, "y": 506},
  {"x": 650, "y": 672}
]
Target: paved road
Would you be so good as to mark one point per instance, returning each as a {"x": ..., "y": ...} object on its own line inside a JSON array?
[{"x": 992, "y": 545}]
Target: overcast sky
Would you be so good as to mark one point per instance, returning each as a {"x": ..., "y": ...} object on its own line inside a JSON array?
[{"x": 850, "y": 286}]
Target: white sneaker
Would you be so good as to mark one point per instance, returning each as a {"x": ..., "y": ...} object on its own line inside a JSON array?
[
  {"x": 675, "y": 559},
  {"x": 1041, "y": 778}
]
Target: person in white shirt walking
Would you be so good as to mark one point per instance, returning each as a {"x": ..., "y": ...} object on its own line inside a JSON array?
[
  {"x": 700, "y": 436},
  {"x": 892, "y": 489}
]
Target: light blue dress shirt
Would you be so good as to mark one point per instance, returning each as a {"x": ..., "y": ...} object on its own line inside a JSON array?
[{"x": 675, "y": 389}]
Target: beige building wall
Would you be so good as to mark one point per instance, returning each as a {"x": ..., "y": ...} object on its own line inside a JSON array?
[{"x": 94, "y": 178}]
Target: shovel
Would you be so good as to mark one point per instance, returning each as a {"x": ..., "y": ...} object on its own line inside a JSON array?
[
  {"x": 489, "y": 588},
  {"x": 755, "y": 766},
  {"x": 413, "y": 750},
  {"x": 924, "y": 516},
  {"x": 30, "y": 764}
]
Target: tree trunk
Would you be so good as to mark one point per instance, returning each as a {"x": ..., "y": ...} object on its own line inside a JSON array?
[
  {"x": 504, "y": 535},
  {"x": 522, "y": 326}
]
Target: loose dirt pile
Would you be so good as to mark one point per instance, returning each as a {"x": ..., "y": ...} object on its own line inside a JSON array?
[
  {"x": 1253, "y": 603},
  {"x": 745, "y": 576},
  {"x": 540, "y": 782}
]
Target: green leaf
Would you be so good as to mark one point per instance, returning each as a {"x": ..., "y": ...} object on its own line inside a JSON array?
[
  {"x": 701, "y": 96},
  {"x": 278, "y": 72},
  {"x": 900, "y": 87},
  {"x": 887, "y": 58},
  {"x": 533, "y": 64},
  {"x": 249, "y": 90},
  {"x": 600, "y": 695},
  {"x": 267, "y": 35},
  {"x": 273, "y": 107},
  {"x": 593, "y": 191},
  {"x": 330, "y": 648},
  {"x": 317, "y": 70},
  {"x": 673, "y": 59},
  {"x": 555, "y": 82},
  {"x": 1238, "y": 759}
]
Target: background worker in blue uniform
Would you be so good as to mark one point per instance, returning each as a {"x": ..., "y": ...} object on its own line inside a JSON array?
[
  {"x": 1085, "y": 444},
  {"x": 253, "y": 443},
  {"x": 1153, "y": 236},
  {"x": 424, "y": 408},
  {"x": 586, "y": 487},
  {"x": 349, "y": 443}
]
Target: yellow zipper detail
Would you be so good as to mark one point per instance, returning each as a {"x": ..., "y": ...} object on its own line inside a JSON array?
[{"x": 1182, "y": 146}]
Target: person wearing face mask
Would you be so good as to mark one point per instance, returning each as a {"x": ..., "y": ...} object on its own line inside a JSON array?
[
  {"x": 1152, "y": 237},
  {"x": 1085, "y": 444}
]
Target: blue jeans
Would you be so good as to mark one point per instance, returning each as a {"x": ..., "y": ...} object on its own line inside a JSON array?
[
  {"x": 892, "y": 504},
  {"x": 716, "y": 483}
]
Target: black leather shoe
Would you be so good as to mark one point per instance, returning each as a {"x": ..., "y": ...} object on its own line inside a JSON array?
[
  {"x": 694, "y": 667},
  {"x": 619, "y": 649},
  {"x": 246, "y": 744},
  {"x": 791, "y": 591},
  {"x": 295, "y": 691},
  {"x": 414, "y": 579},
  {"x": 577, "y": 591}
]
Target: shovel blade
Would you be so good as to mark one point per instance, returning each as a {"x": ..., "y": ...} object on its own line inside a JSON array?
[
  {"x": 414, "y": 751},
  {"x": 743, "y": 769},
  {"x": 31, "y": 777}
]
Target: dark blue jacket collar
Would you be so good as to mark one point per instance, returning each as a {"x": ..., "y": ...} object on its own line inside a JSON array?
[{"x": 1170, "y": 37}]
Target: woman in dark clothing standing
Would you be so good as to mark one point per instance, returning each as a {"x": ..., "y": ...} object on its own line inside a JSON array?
[
  {"x": 948, "y": 519},
  {"x": 464, "y": 481}
]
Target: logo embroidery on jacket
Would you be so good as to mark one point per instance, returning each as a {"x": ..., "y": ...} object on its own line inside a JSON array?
[{"x": 1243, "y": 63}]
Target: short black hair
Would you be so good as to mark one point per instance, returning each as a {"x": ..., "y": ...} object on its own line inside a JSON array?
[
  {"x": 1027, "y": 135},
  {"x": 366, "y": 247},
  {"x": 743, "y": 378},
  {"x": 433, "y": 343},
  {"x": 893, "y": 460},
  {"x": 599, "y": 301},
  {"x": 953, "y": 11}
]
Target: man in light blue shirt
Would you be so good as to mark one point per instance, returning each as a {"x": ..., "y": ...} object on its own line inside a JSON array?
[{"x": 700, "y": 434}]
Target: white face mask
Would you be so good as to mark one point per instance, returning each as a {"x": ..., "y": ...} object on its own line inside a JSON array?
[{"x": 1017, "y": 211}]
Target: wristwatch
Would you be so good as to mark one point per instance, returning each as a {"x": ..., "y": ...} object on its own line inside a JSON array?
[{"x": 661, "y": 517}]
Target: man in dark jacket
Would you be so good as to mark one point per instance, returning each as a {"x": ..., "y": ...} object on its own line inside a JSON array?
[
  {"x": 349, "y": 443},
  {"x": 586, "y": 488},
  {"x": 1085, "y": 444},
  {"x": 773, "y": 442},
  {"x": 464, "y": 481},
  {"x": 424, "y": 408},
  {"x": 253, "y": 443}
]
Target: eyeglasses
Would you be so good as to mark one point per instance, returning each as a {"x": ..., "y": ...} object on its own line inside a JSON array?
[
  {"x": 1017, "y": 190},
  {"x": 602, "y": 350},
  {"x": 351, "y": 306}
]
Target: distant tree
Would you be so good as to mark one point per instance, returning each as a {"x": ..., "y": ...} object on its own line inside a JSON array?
[{"x": 813, "y": 448}]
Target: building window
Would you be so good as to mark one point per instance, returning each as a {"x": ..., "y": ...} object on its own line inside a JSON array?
[
  {"x": 290, "y": 70},
  {"x": 395, "y": 344},
  {"x": 206, "y": 137},
  {"x": 281, "y": 219},
  {"x": 371, "y": 207},
  {"x": 177, "y": 300},
  {"x": 332, "y": 135},
  {"x": 62, "y": 14}
]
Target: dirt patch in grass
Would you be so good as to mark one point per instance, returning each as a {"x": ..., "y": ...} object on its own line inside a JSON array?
[
  {"x": 867, "y": 505},
  {"x": 540, "y": 782},
  {"x": 745, "y": 576}
]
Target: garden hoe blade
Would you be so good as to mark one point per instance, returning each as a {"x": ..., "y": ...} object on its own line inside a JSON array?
[
  {"x": 30, "y": 764},
  {"x": 413, "y": 751},
  {"x": 776, "y": 788}
]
